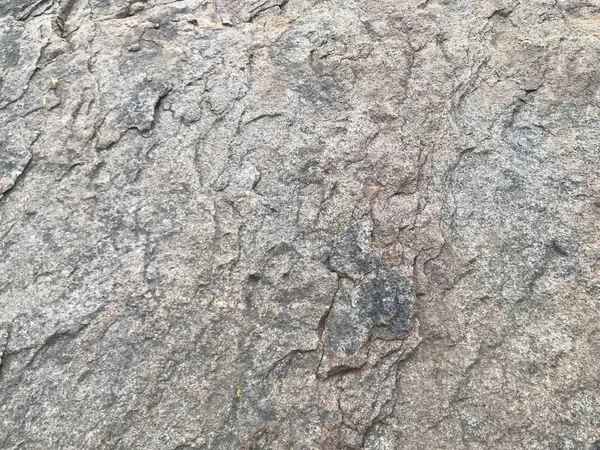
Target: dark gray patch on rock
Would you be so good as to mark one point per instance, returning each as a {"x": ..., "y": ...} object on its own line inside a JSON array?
[
  {"x": 3, "y": 343},
  {"x": 372, "y": 302},
  {"x": 140, "y": 111}
]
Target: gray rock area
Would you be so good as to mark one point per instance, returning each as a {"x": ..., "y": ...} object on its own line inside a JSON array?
[{"x": 299, "y": 224}]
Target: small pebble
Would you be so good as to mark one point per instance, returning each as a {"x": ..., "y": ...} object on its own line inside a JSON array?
[
  {"x": 134, "y": 47},
  {"x": 226, "y": 21}
]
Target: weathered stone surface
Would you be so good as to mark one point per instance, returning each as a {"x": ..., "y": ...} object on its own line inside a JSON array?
[
  {"x": 14, "y": 160},
  {"x": 299, "y": 224}
]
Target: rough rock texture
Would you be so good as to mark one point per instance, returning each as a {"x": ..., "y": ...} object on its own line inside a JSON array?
[{"x": 300, "y": 224}]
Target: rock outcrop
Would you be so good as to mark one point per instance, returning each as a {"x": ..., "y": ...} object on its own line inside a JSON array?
[{"x": 299, "y": 224}]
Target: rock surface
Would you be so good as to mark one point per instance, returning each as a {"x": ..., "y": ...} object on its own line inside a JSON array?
[{"x": 301, "y": 224}]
